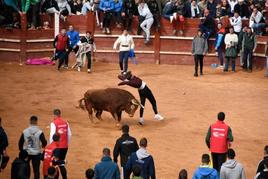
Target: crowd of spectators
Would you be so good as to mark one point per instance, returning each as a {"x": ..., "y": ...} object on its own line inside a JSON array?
[
  {"x": 149, "y": 12},
  {"x": 135, "y": 160}
]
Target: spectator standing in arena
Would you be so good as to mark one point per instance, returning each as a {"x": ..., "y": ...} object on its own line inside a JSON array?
[
  {"x": 51, "y": 173},
  {"x": 240, "y": 40},
  {"x": 183, "y": 174},
  {"x": 20, "y": 168},
  {"x": 33, "y": 140},
  {"x": 117, "y": 12},
  {"x": 89, "y": 173},
  {"x": 3, "y": 143},
  {"x": 236, "y": 22},
  {"x": 219, "y": 43},
  {"x": 61, "y": 127},
  {"x": 107, "y": 7},
  {"x": 144, "y": 93},
  {"x": 231, "y": 169},
  {"x": 148, "y": 21},
  {"x": 144, "y": 160},
  {"x": 128, "y": 11},
  {"x": 199, "y": 50},
  {"x": 136, "y": 172},
  {"x": 261, "y": 163},
  {"x": 218, "y": 139},
  {"x": 257, "y": 22},
  {"x": 126, "y": 43},
  {"x": 48, "y": 154},
  {"x": 61, "y": 43},
  {"x": 264, "y": 173},
  {"x": 230, "y": 40},
  {"x": 249, "y": 45},
  {"x": 124, "y": 147},
  {"x": 204, "y": 171},
  {"x": 207, "y": 24},
  {"x": 242, "y": 9},
  {"x": 106, "y": 168},
  {"x": 74, "y": 38}
]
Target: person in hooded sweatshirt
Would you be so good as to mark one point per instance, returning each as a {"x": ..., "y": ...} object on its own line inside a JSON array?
[
  {"x": 265, "y": 157},
  {"x": 204, "y": 171},
  {"x": 33, "y": 140},
  {"x": 264, "y": 173},
  {"x": 20, "y": 168},
  {"x": 142, "y": 159},
  {"x": 231, "y": 169}
]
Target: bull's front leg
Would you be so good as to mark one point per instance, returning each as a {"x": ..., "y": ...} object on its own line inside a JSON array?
[
  {"x": 98, "y": 114},
  {"x": 90, "y": 111},
  {"x": 115, "y": 115}
]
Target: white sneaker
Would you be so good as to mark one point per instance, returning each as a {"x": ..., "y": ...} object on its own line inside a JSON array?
[
  {"x": 88, "y": 70},
  {"x": 79, "y": 69},
  {"x": 171, "y": 19},
  {"x": 158, "y": 117},
  {"x": 141, "y": 121}
]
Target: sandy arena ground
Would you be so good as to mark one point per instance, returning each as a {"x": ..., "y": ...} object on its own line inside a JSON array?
[{"x": 189, "y": 105}]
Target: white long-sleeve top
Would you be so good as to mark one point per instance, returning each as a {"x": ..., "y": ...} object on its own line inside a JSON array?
[
  {"x": 125, "y": 43},
  {"x": 230, "y": 40},
  {"x": 255, "y": 19},
  {"x": 236, "y": 23},
  {"x": 88, "y": 6},
  {"x": 145, "y": 11},
  {"x": 63, "y": 4},
  {"x": 53, "y": 131},
  {"x": 232, "y": 4}
]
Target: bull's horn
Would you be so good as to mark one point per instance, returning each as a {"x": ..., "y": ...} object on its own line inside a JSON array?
[{"x": 135, "y": 102}]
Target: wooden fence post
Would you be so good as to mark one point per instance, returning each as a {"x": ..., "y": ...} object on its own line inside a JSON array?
[
  {"x": 23, "y": 37},
  {"x": 157, "y": 47}
]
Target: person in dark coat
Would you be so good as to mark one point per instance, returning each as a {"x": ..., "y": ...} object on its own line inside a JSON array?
[
  {"x": 129, "y": 9},
  {"x": 242, "y": 9},
  {"x": 211, "y": 6},
  {"x": 124, "y": 147},
  {"x": 261, "y": 164},
  {"x": 207, "y": 25},
  {"x": 3, "y": 144},
  {"x": 142, "y": 159},
  {"x": 264, "y": 173},
  {"x": 20, "y": 168},
  {"x": 249, "y": 45},
  {"x": 153, "y": 6}
]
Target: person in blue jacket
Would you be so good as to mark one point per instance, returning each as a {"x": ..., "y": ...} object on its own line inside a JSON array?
[
  {"x": 141, "y": 159},
  {"x": 219, "y": 43},
  {"x": 107, "y": 7},
  {"x": 204, "y": 171},
  {"x": 74, "y": 38},
  {"x": 106, "y": 168},
  {"x": 118, "y": 4}
]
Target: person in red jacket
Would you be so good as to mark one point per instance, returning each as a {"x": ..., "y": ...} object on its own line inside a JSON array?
[
  {"x": 61, "y": 43},
  {"x": 219, "y": 138},
  {"x": 48, "y": 154},
  {"x": 144, "y": 92}
]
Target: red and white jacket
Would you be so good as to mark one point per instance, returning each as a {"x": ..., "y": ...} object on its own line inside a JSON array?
[
  {"x": 219, "y": 137},
  {"x": 61, "y": 127}
]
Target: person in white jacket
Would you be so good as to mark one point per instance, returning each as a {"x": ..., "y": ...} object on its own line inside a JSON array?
[
  {"x": 230, "y": 40},
  {"x": 256, "y": 21},
  {"x": 145, "y": 12},
  {"x": 231, "y": 169},
  {"x": 125, "y": 42},
  {"x": 236, "y": 22}
]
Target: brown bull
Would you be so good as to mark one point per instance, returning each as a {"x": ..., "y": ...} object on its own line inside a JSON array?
[{"x": 113, "y": 100}]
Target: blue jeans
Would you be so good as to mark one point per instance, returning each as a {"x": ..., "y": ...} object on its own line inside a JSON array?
[
  {"x": 207, "y": 32},
  {"x": 227, "y": 63},
  {"x": 247, "y": 59},
  {"x": 220, "y": 55},
  {"x": 258, "y": 28},
  {"x": 123, "y": 60}
]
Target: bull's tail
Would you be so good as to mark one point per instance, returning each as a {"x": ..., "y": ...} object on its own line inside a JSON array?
[{"x": 80, "y": 104}]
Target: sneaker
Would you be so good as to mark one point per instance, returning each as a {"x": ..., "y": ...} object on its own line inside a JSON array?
[
  {"x": 89, "y": 70},
  {"x": 79, "y": 69},
  {"x": 141, "y": 121},
  {"x": 108, "y": 31},
  {"x": 181, "y": 32},
  {"x": 174, "y": 32},
  {"x": 104, "y": 30},
  {"x": 158, "y": 117},
  {"x": 146, "y": 42},
  {"x": 195, "y": 75},
  {"x": 201, "y": 73},
  {"x": 66, "y": 67},
  {"x": 171, "y": 19}
]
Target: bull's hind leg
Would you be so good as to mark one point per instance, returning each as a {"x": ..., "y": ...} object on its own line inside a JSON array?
[{"x": 98, "y": 115}]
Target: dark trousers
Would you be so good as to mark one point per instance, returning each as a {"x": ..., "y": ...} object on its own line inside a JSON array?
[
  {"x": 62, "y": 156},
  {"x": 220, "y": 55},
  {"x": 36, "y": 165},
  {"x": 198, "y": 59},
  {"x": 34, "y": 15},
  {"x": 218, "y": 160},
  {"x": 117, "y": 17},
  {"x": 70, "y": 49},
  {"x": 127, "y": 22},
  {"x": 141, "y": 19},
  {"x": 123, "y": 60},
  {"x": 62, "y": 56},
  {"x": 147, "y": 93},
  {"x": 107, "y": 17},
  {"x": 247, "y": 58},
  {"x": 207, "y": 32},
  {"x": 89, "y": 61},
  {"x": 227, "y": 63}
]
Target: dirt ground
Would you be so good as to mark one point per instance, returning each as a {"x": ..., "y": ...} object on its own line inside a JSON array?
[{"x": 189, "y": 105}]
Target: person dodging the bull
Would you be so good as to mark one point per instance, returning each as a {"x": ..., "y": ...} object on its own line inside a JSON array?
[{"x": 144, "y": 93}]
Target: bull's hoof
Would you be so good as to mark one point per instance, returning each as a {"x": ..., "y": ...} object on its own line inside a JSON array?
[{"x": 118, "y": 125}]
